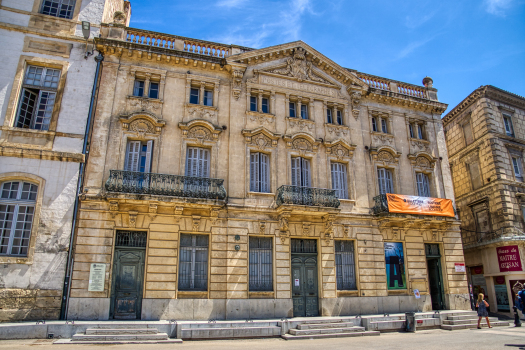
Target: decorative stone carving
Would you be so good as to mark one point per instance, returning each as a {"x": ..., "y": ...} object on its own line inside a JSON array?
[
  {"x": 200, "y": 130},
  {"x": 383, "y": 139},
  {"x": 214, "y": 215},
  {"x": 284, "y": 229},
  {"x": 196, "y": 220},
  {"x": 302, "y": 145},
  {"x": 356, "y": 101},
  {"x": 142, "y": 123},
  {"x": 328, "y": 227},
  {"x": 237, "y": 83},
  {"x": 385, "y": 156},
  {"x": 337, "y": 130},
  {"x": 298, "y": 124},
  {"x": 260, "y": 138},
  {"x": 200, "y": 133},
  {"x": 153, "y": 208},
  {"x": 201, "y": 112},
  {"x": 419, "y": 145},
  {"x": 339, "y": 152},
  {"x": 299, "y": 67},
  {"x": 132, "y": 218},
  {"x": 178, "y": 213},
  {"x": 113, "y": 208},
  {"x": 142, "y": 127},
  {"x": 261, "y": 118},
  {"x": 144, "y": 103},
  {"x": 423, "y": 162},
  {"x": 262, "y": 227},
  {"x": 119, "y": 17},
  {"x": 306, "y": 228}
]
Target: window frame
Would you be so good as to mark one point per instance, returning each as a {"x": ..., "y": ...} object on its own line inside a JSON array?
[
  {"x": 423, "y": 191},
  {"x": 507, "y": 121},
  {"x": 206, "y": 100},
  {"x": 157, "y": 90},
  {"x": 341, "y": 193},
  {"x": 290, "y": 109},
  {"x": 329, "y": 117},
  {"x": 73, "y": 10},
  {"x": 136, "y": 88},
  {"x": 306, "y": 111},
  {"x": 305, "y": 172},
  {"x": 385, "y": 185},
  {"x": 350, "y": 243},
  {"x": 268, "y": 261},
  {"x": 260, "y": 169},
  {"x": 469, "y": 125},
  {"x": 516, "y": 161},
  {"x": 193, "y": 95},
  {"x": 193, "y": 262}
]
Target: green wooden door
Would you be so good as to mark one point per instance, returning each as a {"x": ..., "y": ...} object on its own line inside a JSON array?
[
  {"x": 304, "y": 286},
  {"x": 128, "y": 279},
  {"x": 435, "y": 283}
]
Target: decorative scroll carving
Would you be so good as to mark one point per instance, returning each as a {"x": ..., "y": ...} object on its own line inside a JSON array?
[
  {"x": 356, "y": 101},
  {"x": 200, "y": 133},
  {"x": 302, "y": 145},
  {"x": 298, "y": 67},
  {"x": 423, "y": 162},
  {"x": 132, "y": 219},
  {"x": 261, "y": 118},
  {"x": 329, "y": 227},
  {"x": 177, "y": 211},
  {"x": 385, "y": 156},
  {"x": 202, "y": 112},
  {"x": 383, "y": 139},
  {"x": 420, "y": 145},
  {"x": 339, "y": 152},
  {"x": 262, "y": 227},
  {"x": 143, "y": 103},
  {"x": 284, "y": 229},
  {"x": 153, "y": 208},
  {"x": 113, "y": 208},
  {"x": 196, "y": 220},
  {"x": 214, "y": 215},
  {"x": 301, "y": 124},
  {"x": 142, "y": 123},
  {"x": 306, "y": 228},
  {"x": 200, "y": 130},
  {"x": 260, "y": 138},
  {"x": 337, "y": 130}
]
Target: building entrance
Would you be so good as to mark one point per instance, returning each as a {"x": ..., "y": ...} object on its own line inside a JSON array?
[
  {"x": 435, "y": 279},
  {"x": 304, "y": 278},
  {"x": 128, "y": 275}
]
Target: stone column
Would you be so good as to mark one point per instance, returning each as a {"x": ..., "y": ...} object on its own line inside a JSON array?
[
  {"x": 287, "y": 106},
  {"x": 298, "y": 111},
  {"x": 272, "y": 103},
  {"x": 216, "y": 95},
  {"x": 146, "y": 85},
  {"x": 201, "y": 95},
  {"x": 259, "y": 102}
]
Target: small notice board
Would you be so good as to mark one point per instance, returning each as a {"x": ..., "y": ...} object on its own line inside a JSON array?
[{"x": 97, "y": 276}]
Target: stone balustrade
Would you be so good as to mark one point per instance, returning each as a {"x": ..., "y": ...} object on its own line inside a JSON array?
[
  {"x": 374, "y": 82},
  {"x": 400, "y": 88},
  {"x": 206, "y": 49},
  {"x": 411, "y": 91}
]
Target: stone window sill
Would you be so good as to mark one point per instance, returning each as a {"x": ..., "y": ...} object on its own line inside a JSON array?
[
  {"x": 269, "y": 194},
  {"x": 398, "y": 292},
  {"x": 10, "y": 259},
  {"x": 261, "y": 295},
  {"x": 184, "y": 294},
  {"x": 347, "y": 293}
]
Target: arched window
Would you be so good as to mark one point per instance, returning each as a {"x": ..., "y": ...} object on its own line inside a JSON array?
[{"x": 17, "y": 210}]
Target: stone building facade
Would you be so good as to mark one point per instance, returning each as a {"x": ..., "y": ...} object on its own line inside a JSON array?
[
  {"x": 46, "y": 85},
  {"x": 226, "y": 182},
  {"x": 485, "y": 139}
]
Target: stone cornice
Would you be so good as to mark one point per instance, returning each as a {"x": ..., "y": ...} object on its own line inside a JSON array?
[
  {"x": 41, "y": 154},
  {"x": 406, "y": 100},
  {"x": 488, "y": 91}
]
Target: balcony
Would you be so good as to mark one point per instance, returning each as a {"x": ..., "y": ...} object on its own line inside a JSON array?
[
  {"x": 296, "y": 195},
  {"x": 165, "y": 185}
]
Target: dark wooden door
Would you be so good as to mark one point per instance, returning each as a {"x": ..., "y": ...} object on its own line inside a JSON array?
[
  {"x": 304, "y": 286},
  {"x": 128, "y": 279},
  {"x": 435, "y": 283}
]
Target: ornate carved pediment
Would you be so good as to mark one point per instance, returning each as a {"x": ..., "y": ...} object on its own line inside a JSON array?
[
  {"x": 300, "y": 125},
  {"x": 200, "y": 130},
  {"x": 422, "y": 160},
  {"x": 382, "y": 139},
  {"x": 298, "y": 67},
  {"x": 135, "y": 103},
  {"x": 339, "y": 149},
  {"x": 194, "y": 112},
  {"x": 142, "y": 123},
  {"x": 302, "y": 143},
  {"x": 385, "y": 155},
  {"x": 260, "y": 138}
]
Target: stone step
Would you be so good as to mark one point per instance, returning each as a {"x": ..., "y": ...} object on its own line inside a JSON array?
[
  {"x": 230, "y": 332},
  {"x": 103, "y": 342},
  {"x": 319, "y": 320},
  {"x": 120, "y": 337},
  {"x": 332, "y": 335},
  {"x": 109, "y": 331},
  {"x": 325, "y": 325},
  {"x": 123, "y": 325},
  {"x": 225, "y": 324},
  {"x": 463, "y": 317},
  {"x": 326, "y": 330},
  {"x": 470, "y": 320},
  {"x": 453, "y": 327}
]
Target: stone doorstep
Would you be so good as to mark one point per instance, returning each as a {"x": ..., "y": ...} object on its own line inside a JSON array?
[
  {"x": 70, "y": 341},
  {"x": 463, "y": 317},
  {"x": 233, "y": 332},
  {"x": 453, "y": 327},
  {"x": 120, "y": 337},
  {"x": 470, "y": 320},
  {"x": 326, "y": 330},
  {"x": 109, "y": 331},
  {"x": 325, "y": 325},
  {"x": 334, "y": 335}
]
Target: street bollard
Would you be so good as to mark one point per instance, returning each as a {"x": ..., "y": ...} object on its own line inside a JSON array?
[{"x": 517, "y": 322}]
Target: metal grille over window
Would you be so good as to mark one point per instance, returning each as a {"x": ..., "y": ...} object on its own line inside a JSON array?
[
  {"x": 17, "y": 209},
  {"x": 58, "y": 8},
  {"x": 304, "y": 246},
  {"x": 134, "y": 239},
  {"x": 261, "y": 264},
  {"x": 345, "y": 265},
  {"x": 37, "y": 98},
  {"x": 193, "y": 265},
  {"x": 432, "y": 250}
]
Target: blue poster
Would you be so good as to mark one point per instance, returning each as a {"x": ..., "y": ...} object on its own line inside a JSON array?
[{"x": 395, "y": 266}]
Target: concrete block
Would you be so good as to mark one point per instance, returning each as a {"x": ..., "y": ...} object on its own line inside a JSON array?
[{"x": 89, "y": 309}]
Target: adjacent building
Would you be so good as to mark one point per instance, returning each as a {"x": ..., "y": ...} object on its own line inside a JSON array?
[
  {"x": 46, "y": 83},
  {"x": 226, "y": 182},
  {"x": 485, "y": 139}
]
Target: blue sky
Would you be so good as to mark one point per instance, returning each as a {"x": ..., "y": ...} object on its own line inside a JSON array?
[{"x": 460, "y": 44}]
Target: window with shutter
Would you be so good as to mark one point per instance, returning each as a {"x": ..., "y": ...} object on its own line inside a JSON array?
[
  {"x": 265, "y": 173},
  {"x": 305, "y": 173},
  {"x": 259, "y": 172},
  {"x": 384, "y": 179},
  {"x": 518, "y": 171},
  {"x": 253, "y": 103},
  {"x": 423, "y": 185},
  {"x": 138, "y": 156},
  {"x": 304, "y": 111},
  {"x": 198, "y": 162},
  {"x": 138, "y": 88},
  {"x": 194, "y": 96},
  {"x": 420, "y": 132},
  {"x": 301, "y": 174},
  {"x": 339, "y": 180},
  {"x": 265, "y": 105}
]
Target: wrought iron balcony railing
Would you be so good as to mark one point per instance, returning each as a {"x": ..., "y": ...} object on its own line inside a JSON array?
[
  {"x": 307, "y": 196},
  {"x": 165, "y": 185}
]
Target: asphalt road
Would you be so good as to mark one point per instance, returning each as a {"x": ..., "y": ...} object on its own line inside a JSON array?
[{"x": 508, "y": 338}]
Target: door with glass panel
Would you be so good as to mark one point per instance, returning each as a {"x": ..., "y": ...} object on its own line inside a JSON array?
[
  {"x": 304, "y": 278},
  {"x": 138, "y": 164},
  {"x": 384, "y": 179},
  {"x": 197, "y": 171}
]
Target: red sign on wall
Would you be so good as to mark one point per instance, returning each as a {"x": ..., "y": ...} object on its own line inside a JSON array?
[{"x": 509, "y": 258}]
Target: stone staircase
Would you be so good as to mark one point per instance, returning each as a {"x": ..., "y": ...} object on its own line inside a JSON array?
[
  {"x": 202, "y": 330},
  {"x": 120, "y": 334},
  {"x": 469, "y": 319},
  {"x": 326, "y": 329}
]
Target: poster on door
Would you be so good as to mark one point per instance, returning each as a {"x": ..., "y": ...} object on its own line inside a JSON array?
[
  {"x": 502, "y": 298},
  {"x": 395, "y": 266}
]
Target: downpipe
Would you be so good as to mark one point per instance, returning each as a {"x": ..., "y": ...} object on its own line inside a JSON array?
[{"x": 80, "y": 182}]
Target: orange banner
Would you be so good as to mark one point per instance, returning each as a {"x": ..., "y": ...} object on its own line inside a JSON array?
[{"x": 398, "y": 203}]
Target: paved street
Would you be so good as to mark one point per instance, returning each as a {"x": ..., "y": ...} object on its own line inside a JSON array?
[{"x": 497, "y": 338}]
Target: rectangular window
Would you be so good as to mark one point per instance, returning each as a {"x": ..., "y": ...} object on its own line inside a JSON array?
[
  {"x": 475, "y": 175},
  {"x": 153, "y": 90},
  {"x": 259, "y": 172},
  {"x": 265, "y": 105},
  {"x": 138, "y": 156},
  {"x": 208, "y": 98},
  {"x": 261, "y": 264},
  {"x": 58, "y": 8},
  {"x": 423, "y": 185},
  {"x": 329, "y": 118},
  {"x": 339, "y": 181},
  {"x": 138, "y": 88},
  {"x": 374, "y": 124},
  {"x": 467, "y": 132},
  {"x": 411, "y": 130},
  {"x": 516, "y": 165},
  {"x": 193, "y": 264},
  {"x": 508, "y": 125},
  {"x": 292, "y": 109},
  {"x": 198, "y": 162},
  {"x": 340, "y": 117},
  {"x": 300, "y": 172},
  {"x": 37, "y": 98},
  {"x": 384, "y": 178},
  {"x": 253, "y": 104},
  {"x": 194, "y": 96},
  {"x": 17, "y": 209},
  {"x": 383, "y": 126},
  {"x": 420, "y": 132},
  {"x": 345, "y": 265},
  {"x": 304, "y": 111}
]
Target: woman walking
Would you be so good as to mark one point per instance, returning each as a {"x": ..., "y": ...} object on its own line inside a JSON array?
[{"x": 482, "y": 306}]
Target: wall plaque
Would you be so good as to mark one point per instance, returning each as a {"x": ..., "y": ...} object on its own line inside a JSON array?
[
  {"x": 290, "y": 84},
  {"x": 97, "y": 276}
]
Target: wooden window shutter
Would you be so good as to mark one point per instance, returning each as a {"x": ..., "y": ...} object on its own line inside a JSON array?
[
  {"x": 265, "y": 172},
  {"x": 149, "y": 150},
  {"x": 254, "y": 172},
  {"x": 132, "y": 156}
]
